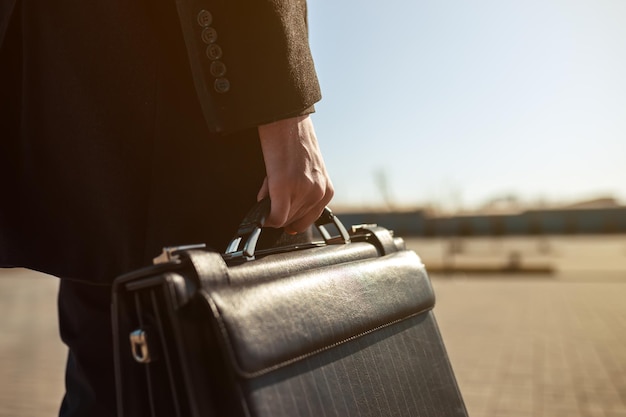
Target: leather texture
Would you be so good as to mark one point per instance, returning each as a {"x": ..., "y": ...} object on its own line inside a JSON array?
[
  {"x": 271, "y": 325},
  {"x": 338, "y": 330}
]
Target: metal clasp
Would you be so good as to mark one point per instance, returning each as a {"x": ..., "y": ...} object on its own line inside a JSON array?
[
  {"x": 249, "y": 244},
  {"x": 139, "y": 346},
  {"x": 327, "y": 218},
  {"x": 170, "y": 253}
]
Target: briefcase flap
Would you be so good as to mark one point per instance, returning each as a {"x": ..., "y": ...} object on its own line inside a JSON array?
[{"x": 272, "y": 323}]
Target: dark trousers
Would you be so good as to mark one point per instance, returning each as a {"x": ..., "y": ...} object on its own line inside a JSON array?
[{"x": 85, "y": 327}]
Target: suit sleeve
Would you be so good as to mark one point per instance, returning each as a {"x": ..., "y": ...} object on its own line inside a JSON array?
[{"x": 250, "y": 60}]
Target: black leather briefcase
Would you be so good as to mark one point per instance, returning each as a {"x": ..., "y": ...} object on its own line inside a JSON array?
[{"x": 338, "y": 328}]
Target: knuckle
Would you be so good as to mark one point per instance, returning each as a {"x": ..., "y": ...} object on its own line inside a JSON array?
[
  {"x": 330, "y": 193},
  {"x": 317, "y": 194}
]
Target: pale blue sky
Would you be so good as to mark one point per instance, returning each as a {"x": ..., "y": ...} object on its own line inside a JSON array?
[{"x": 461, "y": 101}]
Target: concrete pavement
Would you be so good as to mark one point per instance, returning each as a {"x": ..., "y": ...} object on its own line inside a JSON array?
[
  {"x": 31, "y": 354},
  {"x": 539, "y": 347}
]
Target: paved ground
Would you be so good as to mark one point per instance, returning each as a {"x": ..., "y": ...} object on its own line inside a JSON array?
[
  {"x": 31, "y": 356},
  {"x": 541, "y": 346},
  {"x": 571, "y": 257},
  {"x": 536, "y": 346}
]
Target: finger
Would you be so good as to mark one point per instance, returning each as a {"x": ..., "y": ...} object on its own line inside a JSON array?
[
  {"x": 279, "y": 211},
  {"x": 264, "y": 191},
  {"x": 316, "y": 196},
  {"x": 303, "y": 222}
]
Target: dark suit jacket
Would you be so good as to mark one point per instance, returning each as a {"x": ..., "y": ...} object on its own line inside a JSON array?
[
  {"x": 250, "y": 58},
  {"x": 128, "y": 125}
]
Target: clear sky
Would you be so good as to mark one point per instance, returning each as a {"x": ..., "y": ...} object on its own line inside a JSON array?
[{"x": 457, "y": 102}]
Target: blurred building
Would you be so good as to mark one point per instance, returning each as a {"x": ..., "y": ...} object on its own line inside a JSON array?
[{"x": 599, "y": 216}]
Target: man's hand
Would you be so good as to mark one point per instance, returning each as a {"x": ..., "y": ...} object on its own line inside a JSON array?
[{"x": 296, "y": 181}]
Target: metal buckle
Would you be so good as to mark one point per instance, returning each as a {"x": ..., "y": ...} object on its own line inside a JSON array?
[
  {"x": 361, "y": 227},
  {"x": 170, "y": 253},
  {"x": 139, "y": 346},
  {"x": 250, "y": 239},
  {"x": 328, "y": 218}
]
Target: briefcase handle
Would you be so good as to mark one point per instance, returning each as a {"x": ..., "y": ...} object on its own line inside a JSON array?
[{"x": 243, "y": 245}]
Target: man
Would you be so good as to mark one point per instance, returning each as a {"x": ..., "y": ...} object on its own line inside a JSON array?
[{"x": 128, "y": 125}]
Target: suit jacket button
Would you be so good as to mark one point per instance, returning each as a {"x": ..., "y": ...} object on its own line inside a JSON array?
[
  {"x": 214, "y": 51},
  {"x": 209, "y": 35},
  {"x": 222, "y": 85},
  {"x": 218, "y": 69},
  {"x": 204, "y": 18}
]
